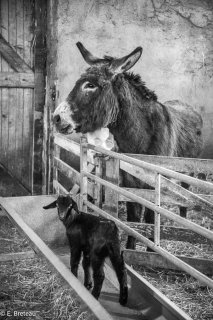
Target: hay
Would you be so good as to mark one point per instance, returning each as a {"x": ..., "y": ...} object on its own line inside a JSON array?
[
  {"x": 188, "y": 294},
  {"x": 28, "y": 285}
]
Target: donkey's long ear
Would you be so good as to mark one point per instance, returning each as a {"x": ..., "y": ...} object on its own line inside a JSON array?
[
  {"x": 124, "y": 64},
  {"x": 88, "y": 57},
  {"x": 51, "y": 205}
]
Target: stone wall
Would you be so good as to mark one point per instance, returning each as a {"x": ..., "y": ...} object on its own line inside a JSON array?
[{"x": 177, "y": 41}]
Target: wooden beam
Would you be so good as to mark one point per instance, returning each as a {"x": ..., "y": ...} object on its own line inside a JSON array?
[
  {"x": 16, "y": 80},
  {"x": 67, "y": 144},
  {"x": 186, "y": 165},
  {"x": 166, "y": 213},
  {"x": 166, "y": 198},
  {"x": 169, "y": 233},
  {"x": 68, "y": 171},
  {"x": 154, "y": 260},
  {"x": 17, "y": 256},
  {"x": 12, "y": 57}
]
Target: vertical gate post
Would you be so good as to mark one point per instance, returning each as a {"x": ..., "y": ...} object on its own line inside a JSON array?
[
  {"x": 111, "y": 197},
  {"x": 157, "y": 215},
  {"x": 99, "y": 173},
  {"x": 83, "y": 178},
  {"x": 57, "y": 150}
]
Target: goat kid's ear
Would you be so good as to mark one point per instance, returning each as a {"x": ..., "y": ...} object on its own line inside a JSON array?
[
  {"x": 51, "y": 205},
  {"x": 75, "y": 206},
  {"x": 124, "y": 64}
]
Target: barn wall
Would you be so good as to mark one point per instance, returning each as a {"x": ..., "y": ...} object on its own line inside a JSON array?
[{"x": 176, "y": 36}]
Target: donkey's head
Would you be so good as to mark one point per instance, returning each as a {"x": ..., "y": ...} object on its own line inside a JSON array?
[{"x": 93, "y": 103}]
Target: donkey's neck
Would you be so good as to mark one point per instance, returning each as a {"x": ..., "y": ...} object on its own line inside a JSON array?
[
  {"x": 136, "y": 130},
  {"x": 132, "y": 128}
]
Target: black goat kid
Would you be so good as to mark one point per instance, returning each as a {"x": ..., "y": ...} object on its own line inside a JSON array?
[{"x": 97, "y": 239}]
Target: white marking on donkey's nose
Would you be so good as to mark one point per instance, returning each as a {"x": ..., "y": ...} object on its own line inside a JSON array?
[
  {"x": 63, "y": 108},
  {"x": 64, "y": 115}
]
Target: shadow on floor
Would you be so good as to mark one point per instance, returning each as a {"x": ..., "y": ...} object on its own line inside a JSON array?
[{"x": 9, "y": 186}]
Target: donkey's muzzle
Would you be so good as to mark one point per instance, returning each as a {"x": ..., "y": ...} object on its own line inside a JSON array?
[{"x": 62, "y": 118}]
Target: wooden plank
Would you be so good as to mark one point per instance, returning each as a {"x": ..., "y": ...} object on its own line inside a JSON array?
[
  {"x": 67, "y": 144},
  {"x": 12, "y": 57},
  {"x": 166, "y": 213},
  {"x": 83, "y": 178},
  {"x": 40, "y": 52},
  {"x": 167, "y": 255},
  {"x": 154, "y": 260},
  {"x": 20, "y": 93},
  {"x": 169, "y": 233},
  {"x": 189, "y": 196},
  {"x": 28, "y": 123},
  {"x": 151, "y": 300},
  {"x": 186, "y": 165},
  {"x": 17, "y": 80},
  {"x": 17, "y": 256},
  {"x": 166, "y": 198},
  {"x": 12, "y": 94},
  {"x": 167, "y": 185},
  {"x": 112, "y": 175},
  {"x": 27, "y": 151},
  {"x": 145, "y": 172},
  {"x": 78, "y": 289},
  {"x": 138, "y": 167},
  {"x": 4, "y": 92},
  {"x": 71, "y": 173}
]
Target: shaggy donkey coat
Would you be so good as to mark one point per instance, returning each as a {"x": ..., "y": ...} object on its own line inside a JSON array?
[
  {"x": 106, "y": 95},
  {"x": 95, "y": 237}
]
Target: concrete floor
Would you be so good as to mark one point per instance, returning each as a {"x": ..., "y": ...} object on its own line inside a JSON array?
[{"x": 9, "y": 186}]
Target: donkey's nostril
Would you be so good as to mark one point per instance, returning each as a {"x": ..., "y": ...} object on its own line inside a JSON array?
[{"x": 57, "y": 119}]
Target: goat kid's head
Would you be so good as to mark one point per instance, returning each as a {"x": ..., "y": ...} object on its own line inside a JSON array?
[
  {"x": 92, "y": 104},
  {"x": 66, "y": 206}
]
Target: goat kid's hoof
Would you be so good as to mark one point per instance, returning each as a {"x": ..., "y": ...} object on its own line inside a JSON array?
[{"x": 123, "y": 299}]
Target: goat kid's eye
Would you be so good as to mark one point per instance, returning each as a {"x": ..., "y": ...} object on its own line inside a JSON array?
[{"x": 88, "y": 86}]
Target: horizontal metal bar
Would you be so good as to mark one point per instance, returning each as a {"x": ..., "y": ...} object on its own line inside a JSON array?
[
  {"x": 157, "y": 169},
  {"x": 170, "y": 257},
  {"x": 166, "y": 213}
]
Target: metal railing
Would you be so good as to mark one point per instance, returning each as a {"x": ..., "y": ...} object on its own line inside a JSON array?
[{"x": 160, "y": 180}]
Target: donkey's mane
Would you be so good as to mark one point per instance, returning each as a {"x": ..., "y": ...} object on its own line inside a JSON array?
[{"x": 136, "y": 82}]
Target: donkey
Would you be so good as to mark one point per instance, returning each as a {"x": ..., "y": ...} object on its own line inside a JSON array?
[{"x": 107, "y": 95}]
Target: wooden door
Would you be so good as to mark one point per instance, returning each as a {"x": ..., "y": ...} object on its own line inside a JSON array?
[{"x": 22, "y": 89}]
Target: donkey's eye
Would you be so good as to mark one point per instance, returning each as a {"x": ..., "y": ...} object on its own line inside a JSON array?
[{"x": 88, "y": 86}]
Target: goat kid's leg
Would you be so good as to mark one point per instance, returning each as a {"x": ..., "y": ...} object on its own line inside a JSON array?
[
  {"x": 118, "y": 263},
  {"x": 74, "y": 260},
  {"x": 98, "y": 275},
  {"x": 134, "y": 211},
  {"x": 87, "y": 273}
]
